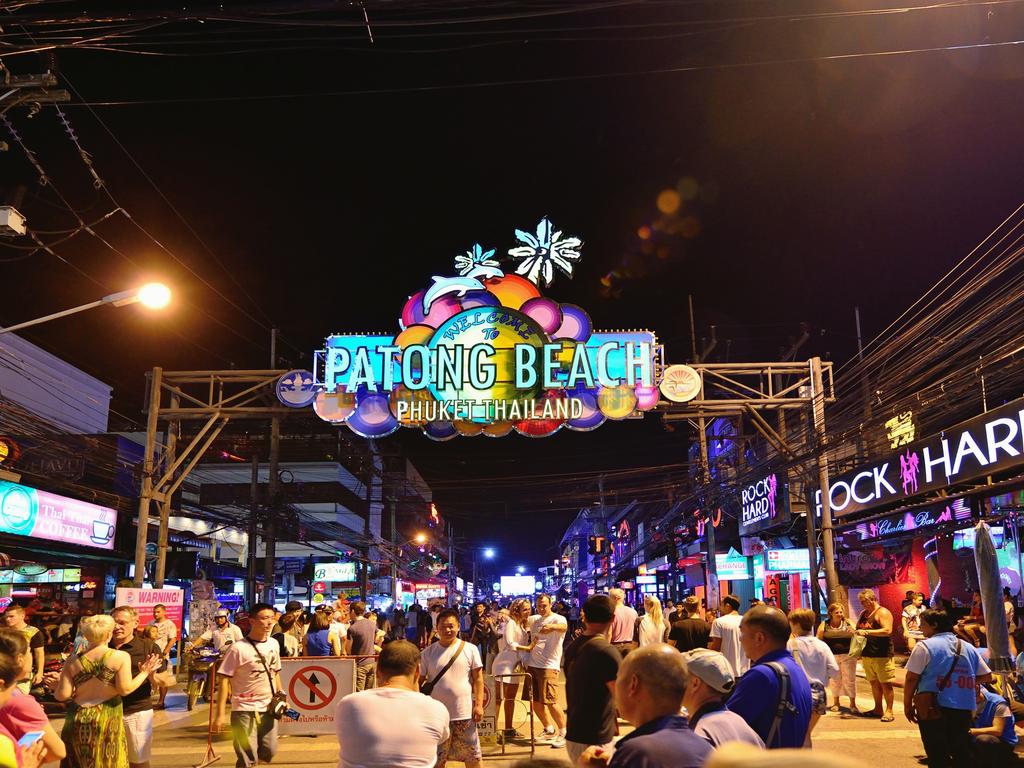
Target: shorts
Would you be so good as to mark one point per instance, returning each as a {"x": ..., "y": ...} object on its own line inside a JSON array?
[
  {"x": 138, "y": 727},
  {"x": 818, "y": 698},
  {"x": 462, "y": 746},
  {"x": 541, "y": 686},
  {"x": 881, "y": 669}
]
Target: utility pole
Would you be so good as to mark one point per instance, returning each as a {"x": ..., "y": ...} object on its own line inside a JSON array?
[
  {"x": 273, "y": 509},
  {"x": 254, "y": 489},
  {"x": 148, "y": 468},
  {"x": 827, "y": 540},
  {"x": 165, "y": 506},
  {"x": 395, "y": 589},
  {"x": 451, "y": 565},
  {"x": 711, "y": 588}
]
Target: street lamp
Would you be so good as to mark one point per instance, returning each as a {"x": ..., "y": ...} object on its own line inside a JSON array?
[
  {"x": 421, "y": 538},
  {"x": 489, "y": 553},
  {"x": 150, "y": 295},
  {"x": 520, "y": 569}
]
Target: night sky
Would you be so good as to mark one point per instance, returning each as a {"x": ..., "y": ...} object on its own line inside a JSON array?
[{"x": 808, "y": 187}]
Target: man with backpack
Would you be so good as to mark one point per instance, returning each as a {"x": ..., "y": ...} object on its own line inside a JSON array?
[{"x": 774, "y": 696}]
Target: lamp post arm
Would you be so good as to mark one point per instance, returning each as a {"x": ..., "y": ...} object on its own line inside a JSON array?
[{"x": 54, "y": 316}]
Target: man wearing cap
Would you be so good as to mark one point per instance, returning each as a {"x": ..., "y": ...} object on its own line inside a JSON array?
[
  {"x": 711, "y": 682},
  {"x": 691, "y": 631},
  {"x": 222, "y": 634},
  {"x": 725, "y": 636}
]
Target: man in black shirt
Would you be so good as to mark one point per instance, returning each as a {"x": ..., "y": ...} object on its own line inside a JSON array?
[
  {"x": 137, "y": 705},
  {"x": 692, "y": 631},
  {"x": 591, "y": 665}
]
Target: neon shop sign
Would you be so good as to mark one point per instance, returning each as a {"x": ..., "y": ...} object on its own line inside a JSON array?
[
  {"x": 484, "y": 352},
  {"x": 917, "y": 520},
  {"x": 980, "y": 446},
  {"x": 763, "y": 503}
]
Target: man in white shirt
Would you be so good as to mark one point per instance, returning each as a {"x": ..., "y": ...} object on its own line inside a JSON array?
[
  {"x": 254, "y": 668},
  {"x": 460, "y": 688},
  {"x": 366, "y": 721},
  {"x": 725, "y": 636},
  {"x": 547, "y": 630},
  {"x": 166, "y": 639},
  {"x": 222, "y": 634},
  {"x": 711, "y": 682}
]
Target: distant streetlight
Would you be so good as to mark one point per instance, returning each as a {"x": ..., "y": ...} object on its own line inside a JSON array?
[
  {"x": 520, "y": 569},
  {"x": 489, "y": 553},
  {"x": 421, "y": 538},
  {"x": 150, "y": 295}
]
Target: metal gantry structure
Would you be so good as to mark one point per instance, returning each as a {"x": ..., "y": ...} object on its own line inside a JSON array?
[
  {"x": 217, "y": 397},
  {"x": 730, "y": 390}
]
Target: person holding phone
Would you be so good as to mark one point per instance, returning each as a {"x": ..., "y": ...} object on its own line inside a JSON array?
[{"x": 21, "y": 714}]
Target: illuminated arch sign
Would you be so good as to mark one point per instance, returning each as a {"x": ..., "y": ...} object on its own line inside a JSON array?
[{"x": 484, "y": 352}]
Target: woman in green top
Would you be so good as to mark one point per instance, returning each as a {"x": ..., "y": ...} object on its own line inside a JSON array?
[{"x": 95, "y": 680}]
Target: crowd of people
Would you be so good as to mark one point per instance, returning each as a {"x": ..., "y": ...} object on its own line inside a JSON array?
[{"x": 690, "y": 681}]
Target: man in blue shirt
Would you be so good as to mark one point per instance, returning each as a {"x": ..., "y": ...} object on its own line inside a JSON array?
[
  {"x": 649, "y": 693},
  {"x": 757, "y": 697},
  {"x": 948, "y": 668},
  {"x": 993, "y": 737}
]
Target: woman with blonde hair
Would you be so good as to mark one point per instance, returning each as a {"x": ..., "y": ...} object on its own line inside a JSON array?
[
  {"x": 652, "y": 627},
  {"x": 836, "y": 632},
  {"x": 95, "y": 680},
  {"x": 513, "y": 643}
]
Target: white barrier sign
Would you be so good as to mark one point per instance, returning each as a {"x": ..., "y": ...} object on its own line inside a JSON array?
[{"x": 315, "y": 686}]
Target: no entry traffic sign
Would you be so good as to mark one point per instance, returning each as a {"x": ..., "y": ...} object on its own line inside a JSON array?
[{"x": 313, "y": 687}]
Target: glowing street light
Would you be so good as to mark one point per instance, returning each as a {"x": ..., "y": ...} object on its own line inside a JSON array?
[
  {"x": 150, "y": 295},
  {"x": 520, "y": 569},
  {"x": 489, "y": 553},
  {"x": 421, "y": 538}
]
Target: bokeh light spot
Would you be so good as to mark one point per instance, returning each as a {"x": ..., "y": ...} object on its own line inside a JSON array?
[
  {"x": 688, "y": 188},
  {"x": 669, "y": 201}
]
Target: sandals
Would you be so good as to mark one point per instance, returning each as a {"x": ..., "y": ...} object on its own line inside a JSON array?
[
  {"x": 888, "y": 717},
  {"x": 834, "y": 708}
]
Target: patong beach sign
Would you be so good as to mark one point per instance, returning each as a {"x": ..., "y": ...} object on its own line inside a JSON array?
[{"x": 484, "y": 352}]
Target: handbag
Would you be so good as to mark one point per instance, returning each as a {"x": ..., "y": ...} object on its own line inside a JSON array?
[
  {"x": 857, "y": 645},
  {"x": 428, "y": 688},
  {"x": 926, "y": 703}
]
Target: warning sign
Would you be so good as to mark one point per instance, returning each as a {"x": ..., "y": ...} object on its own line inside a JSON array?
[{"x": 314, "y": 687}]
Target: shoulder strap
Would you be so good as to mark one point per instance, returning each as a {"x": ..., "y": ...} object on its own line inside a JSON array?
[
  {"x": 944, "y": 683},
  {"x": 783, "y": 704},
  {"x": 458, "y": 652},
  {"x": 266, "y": 669}
]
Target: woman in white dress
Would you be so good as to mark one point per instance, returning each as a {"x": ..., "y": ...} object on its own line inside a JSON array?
[
  {"x": 652, "y": 625},
  {"x": 512, "y": 645}
]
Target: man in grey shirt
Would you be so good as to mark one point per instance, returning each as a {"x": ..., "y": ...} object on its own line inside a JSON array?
[{"x": 361, "y": 634}]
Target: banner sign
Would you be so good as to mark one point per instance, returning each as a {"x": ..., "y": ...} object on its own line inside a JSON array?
[
  {"x": 143, "y": 600},
  {"x": 25, "y": 511},
  {"x": 764, "y": 503},
  {"x": 484, "y": 352},
  {"x": 918, "y": 520},
  {"x": 876, "y": 565},
  {"x": 314, "y": 687},
  {"x": 981, "y": 446},
  {"x": 334, "y": 571},
  {"x": 787, "y": 560},
  {"x": 732, "y": 566}
]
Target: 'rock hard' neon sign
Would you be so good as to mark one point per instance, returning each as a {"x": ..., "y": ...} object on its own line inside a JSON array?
[
  {"x": 975, "y": 448},
  {"x": 484, "y": 352}
]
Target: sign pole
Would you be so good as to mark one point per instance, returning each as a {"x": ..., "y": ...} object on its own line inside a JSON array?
[
  {"x": 711, "y": 589},
  {"x": 827, "y": 541},
  {"x": 250, "y": 580},
  {"x": 170, "y": 453}
]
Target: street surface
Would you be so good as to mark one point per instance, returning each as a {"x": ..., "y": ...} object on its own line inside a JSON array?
[{"x": 180, "y": 740}]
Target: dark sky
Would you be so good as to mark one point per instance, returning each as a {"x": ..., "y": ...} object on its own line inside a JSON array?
[{"x": 817, "y": 185}]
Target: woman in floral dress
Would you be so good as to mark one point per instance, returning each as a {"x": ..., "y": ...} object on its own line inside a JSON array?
[{"x": 94, "y": 681}]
